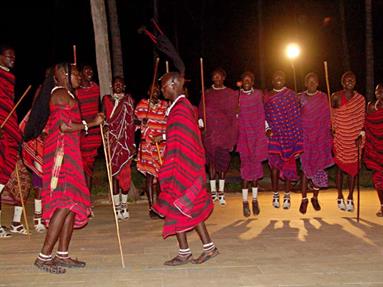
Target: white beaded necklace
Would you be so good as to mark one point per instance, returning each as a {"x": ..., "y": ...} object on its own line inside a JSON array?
[
  {"x": 248, "y": 91},
  {"x": 277, "y": 91},
  {"x": 214, "y": 88},
  {"x": 311, "y": 94}
]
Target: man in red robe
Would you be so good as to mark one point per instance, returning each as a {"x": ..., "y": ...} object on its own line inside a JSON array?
[
  {"x": 89, "y": 98},
  {"x": 348, "y": 107},
  {"x": 10, "y": 135},
  {"x": 183, "y": 201},
  {"x": 152, "y": 122},
  {"x": 119, "y": 112},
  {"x": 220, "y": 131}
]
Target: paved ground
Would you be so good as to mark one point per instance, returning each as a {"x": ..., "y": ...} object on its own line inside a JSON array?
[{"x": 277, "y": 248}]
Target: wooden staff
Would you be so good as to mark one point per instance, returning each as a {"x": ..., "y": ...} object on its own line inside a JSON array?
[
  {"x": 328, "y": 88},
  {"x": 108, "y": 169},
  {"x": 159, "y": 152},
  {"x": 15, "y": 107},
  {"x": 153, "y": 84},
  {"x": 203, "y": 94},
  {"x": 22, "y": 199},
  {"x": 74, "y": 55},
  {"x": 357, "y": 183},
  {"x": 167, "y": 66}
]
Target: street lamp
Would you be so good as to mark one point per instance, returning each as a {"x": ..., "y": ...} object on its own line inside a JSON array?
[{"x": 292, "y": 52}]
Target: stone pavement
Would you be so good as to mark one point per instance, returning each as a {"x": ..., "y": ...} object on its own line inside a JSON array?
[{"x": 277, "y": 248}]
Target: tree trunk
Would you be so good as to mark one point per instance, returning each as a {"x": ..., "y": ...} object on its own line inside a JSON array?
[
  {"x": 369, "y": 52},
  {"x": 117, "y": 62},
  {"x": 343, "y": 24},
  {"x": 100, "y": 27},
  {"x": 261, "y": 52}
]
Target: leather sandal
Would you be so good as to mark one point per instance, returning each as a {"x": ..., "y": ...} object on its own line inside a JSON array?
[
  {"x": 255, "y": 207},
  {"x": 315, "y": 203},
  {"x": 205, "y": 256},
  {"x": 303, "y": 206},
  {"x": 179, "y": 260},
  {"x": 245, "y": 208},
  {"x": 68, "y": 262},
  {"x": 49, "y": 266}
]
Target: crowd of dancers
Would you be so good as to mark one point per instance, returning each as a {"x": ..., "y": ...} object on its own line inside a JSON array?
[{"x": 53, "y": 149}]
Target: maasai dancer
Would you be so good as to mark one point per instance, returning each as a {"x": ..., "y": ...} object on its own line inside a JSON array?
[
  {"x": 373, "y": 156},
  {"x": 152, "y": 122},
  {"x": 89, "y": 99},
  {"x": 10, "y": 135},
  {"x": 317, "y": 140},
  {"x": 65, "y": 195},
  {"x": 348, "y": 107},
  {"x": 183, "y": 200},
  {"x": 252, "y": 141},
  {"x": 32, "y": 153},
  {"x": 220, "y": 133},
  {"x": 283, "y": 117},
  {"x": 119, "y": 112}
]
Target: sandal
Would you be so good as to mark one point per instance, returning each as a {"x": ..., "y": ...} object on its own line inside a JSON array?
[
  {"x": 4, "y": 233},
  {"x": 276, "y": 200},
  {"x": 286, "y": 202},
  {"x": 315, "y": 203},
  {"x": 245, "y": 209},
  {"x": 179, "y": 260},
  {"x": 38, "y": 224},
  {"x": 18, "y": 229},
  {"x": 255, "y": 207},
  {"x": 205, "y": 256},
  {"x": 303, "y": 207},
  {"x": 49, "y": 266},
  {"x": 68, "y": 262}
]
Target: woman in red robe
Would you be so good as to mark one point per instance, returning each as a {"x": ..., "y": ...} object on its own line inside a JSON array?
[{"x": 65, "y": 196}]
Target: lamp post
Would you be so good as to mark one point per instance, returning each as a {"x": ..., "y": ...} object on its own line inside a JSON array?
[{"x": 292, "y": 52}]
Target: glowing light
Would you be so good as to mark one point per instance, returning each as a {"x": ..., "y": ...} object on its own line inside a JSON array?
[{"x": 292, "y": 51}]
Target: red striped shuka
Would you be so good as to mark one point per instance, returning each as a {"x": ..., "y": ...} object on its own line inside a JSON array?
[
  {"x": 348, "y": 122},
  {"x": 119, "y": 118},
  {"x": 64, "y": 183},
  {"x": 148, "y": 160},
  {"x": 11, "y": 133},
  {"x": 373, "y": 153},
  {"x": 89, "y": 100},
  {"x": 183, "y": 200}
]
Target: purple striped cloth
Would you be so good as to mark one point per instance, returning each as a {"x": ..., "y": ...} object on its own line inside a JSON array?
[
  {"x": 221, "y": 126},
  {"x": 283, "y": 115},
  {"x": 252, "y": 141},
  {"x": 317, "y": 139}
]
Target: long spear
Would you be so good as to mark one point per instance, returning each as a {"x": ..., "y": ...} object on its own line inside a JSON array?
[
  {"x": 108, "y": 169},
  {"x": 16, "y": 105},
  {"x": 22, "y": 199},
  {"x": 203, "y": 94},
  {"x": 328, "y": 88}
]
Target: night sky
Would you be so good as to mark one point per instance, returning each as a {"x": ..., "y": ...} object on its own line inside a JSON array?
[{"x": 224, "y": 33}]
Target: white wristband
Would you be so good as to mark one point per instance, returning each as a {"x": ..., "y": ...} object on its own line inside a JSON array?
[
  {"x": 85, "y": 126},
  {"x": 200, "y": 123},
  {"x": 164, "y": 137}
]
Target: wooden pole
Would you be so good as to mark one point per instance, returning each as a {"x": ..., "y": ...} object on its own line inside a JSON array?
[
  {"x": 15, "y": 107},
  {"x": 74, "y": 55},
  {"x": 328, "y": 88},
  {"x": 357, "y": 182},
  {"x": 203, "y": 94},
  {"x": 159, "y": 153},
  {"x": 108, "y": 169},
  {"x": 22, "y": 200},
  {"x": 153, "y": 84},
  {"x": 167, "y": 67}
]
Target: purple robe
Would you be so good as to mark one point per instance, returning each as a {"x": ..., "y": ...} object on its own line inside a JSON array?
[
  {"x": 252, "y": 141},
  {"x": 317, "y": 139},
  {"x": 220, "y": 127},
  {"x": 283, "y": 115}
]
